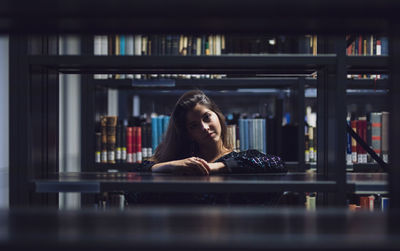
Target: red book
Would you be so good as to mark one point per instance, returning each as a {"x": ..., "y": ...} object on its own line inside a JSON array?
[
  {"x": 129, "y": 145},
  {"x": 364, "y": 202},
  {"x": 139, "y": 144},
  {"x": 134, "y": 143}
]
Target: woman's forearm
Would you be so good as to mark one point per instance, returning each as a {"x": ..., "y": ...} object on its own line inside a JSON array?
[{"x": 163, "y": 167}]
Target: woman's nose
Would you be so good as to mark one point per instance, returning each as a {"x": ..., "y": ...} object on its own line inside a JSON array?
[{"x": 206, "y": 127}]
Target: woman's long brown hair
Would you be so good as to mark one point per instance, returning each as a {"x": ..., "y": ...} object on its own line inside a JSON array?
[{"x": 176, "y": 143}]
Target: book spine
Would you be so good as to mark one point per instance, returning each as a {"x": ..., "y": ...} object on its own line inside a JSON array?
[
  {"x": 149, "y": 140},
  {"x": 118, "y": 144},
  {"x": 165, "y": 122},
  {"x": 159, "y": 129},
  {"x": 385, "y": 136},
  {"x": 129, "y": 50},
  {"x": 307, "y": 149},
  {"x": 264, "y": 133},
  {"x": 129, "y": 144},
  {"x": 154, "y": 133},
  {"x": 348, "y": 145},
  {"x": 376, "y": 128},
  {"x": 134, "y": 144},
  {"x": 251, "y": 144},
  {"x": 359, "y": 148},
  {"x": 354, "y": 142},
  {"x": 241, "y": 134},
  {"x": 97, "y": 158},
  {"x": 111, "y": 138},
  {"x": 103, "y": 130},
  {"x": 139, "y": 157},
  {"x": 97, "y": 51},
  {"x": 384, "y": 204},
  {"x": 123, "y": 143},
  {"x": 311, "y": 143}
]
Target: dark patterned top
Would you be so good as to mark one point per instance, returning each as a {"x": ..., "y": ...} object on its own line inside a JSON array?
[{"x": 250, "y": 161}]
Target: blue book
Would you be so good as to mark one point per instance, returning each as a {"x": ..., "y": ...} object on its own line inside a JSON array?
[
  {"x": 246, "y": 134},
  {"x": 165, "y": 125},
  {"x": 159, "y": 128},
  {"x": 241, "y": 134},
  {"x": 251, "y": 133},
  {"x": 384, "y": 204},
  {"x": 385, "y": 46},
  {"x": 264, "y": 132},
  {"x": 121, "y": 45},
  {"x": 154, "y": 133}
]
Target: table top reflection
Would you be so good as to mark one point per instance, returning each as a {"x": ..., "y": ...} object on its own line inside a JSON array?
[{"x": 94, "y": 182}]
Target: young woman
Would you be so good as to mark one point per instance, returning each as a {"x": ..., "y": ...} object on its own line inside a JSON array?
[{"x": 196, "y": 143}]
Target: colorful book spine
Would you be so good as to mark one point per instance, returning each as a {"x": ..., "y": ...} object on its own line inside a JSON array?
[
  {"x": 129, "y": 144},
  {"x": 97, "y": 158},
  {"x": 134, "y": 144},
  {"x": 118, "y": 144},
  {"x": 111, "y": 138},
  {"x": 385, "y": 136},
  {"x": 376, "y": 132},
  {"x": 354, "y": 142},
  {"x": 241, "y": 134},
  {"x": 139, "y": 157},
  {"x": 348, "y": 145},
  {"x": 154, "y": 133},
  {"x": 264, "y": 135},
  {"x": 103, "y": 131},
  {"x": 123, "y": 143}
]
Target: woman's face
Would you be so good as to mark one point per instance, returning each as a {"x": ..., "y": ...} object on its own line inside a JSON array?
[{"x": 203, "y": 125}]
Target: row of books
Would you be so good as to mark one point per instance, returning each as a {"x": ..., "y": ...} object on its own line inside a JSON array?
[
  {"x": 311, "y": 144},
  {"x": 253, "y": 134},
  {"x": 139, "y": 78},
  {"x": 374, "y": 130},
  {"x": 370, "y": 203},
  {"x": 119, "y": 141},
  {"x": 159, "y": 45},
  {"x": 205, "y": 44},
  {"x": 368, "y": 45},
  {"x": 310, "y": 133}
]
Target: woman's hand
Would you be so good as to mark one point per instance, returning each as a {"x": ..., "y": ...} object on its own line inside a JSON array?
[
  {"x": 188, "y": 166},
  {"x": 217, "y": 167}
]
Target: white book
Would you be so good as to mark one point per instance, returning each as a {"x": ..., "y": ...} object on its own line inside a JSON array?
[
  {"x": 138, "y": 50},
  {"x": 97, "y": 51},
  {"x": 129, "y": 49},
  {"x": 103, "y": 51},
  {"x": 198, "y": 44},
  {"x": 211, "y": 44},
  {"x": 218, "y": 45}
]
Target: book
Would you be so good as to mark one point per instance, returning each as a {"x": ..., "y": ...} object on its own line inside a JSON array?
[
  {"x": 385, "y": 137},
  {"x": 118, "y": 144},
  {"x": 103, "y": 131},
  {"x": 97, "y": 158},
  {"x": 111, "y": 138},
  {"x": 376, "y": 132},
  {"x": 129, "y": 144}
]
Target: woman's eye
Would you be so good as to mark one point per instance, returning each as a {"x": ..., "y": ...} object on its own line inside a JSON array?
[{"x": 207, "y": 117}]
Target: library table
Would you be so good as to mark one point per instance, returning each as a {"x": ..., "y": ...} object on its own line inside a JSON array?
[{"x": 150, "y": 182}]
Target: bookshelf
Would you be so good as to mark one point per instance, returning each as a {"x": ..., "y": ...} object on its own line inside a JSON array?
[
  {"x": 258, "y": 64},
  {"x": 48, "y": 65}
]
